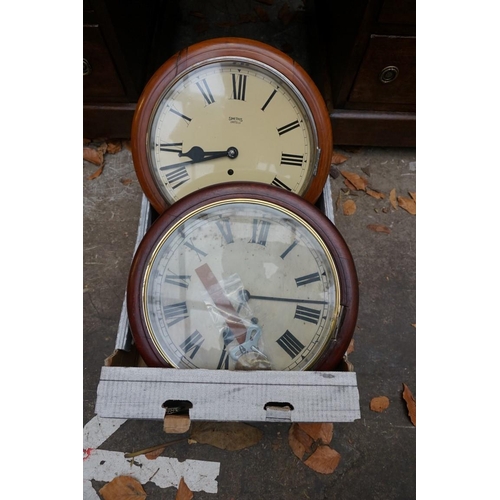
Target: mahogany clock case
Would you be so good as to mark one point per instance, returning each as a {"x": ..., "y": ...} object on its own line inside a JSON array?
[
  {"x": 197, "y": 54},
  {"x": 335, "y": 243}
]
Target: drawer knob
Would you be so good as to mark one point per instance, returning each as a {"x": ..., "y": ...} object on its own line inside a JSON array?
[
  {"x": 86, "y": 67},
  {"x": 389, "y": 74}
]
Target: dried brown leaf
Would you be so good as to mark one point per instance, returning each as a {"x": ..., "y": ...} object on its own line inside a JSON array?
[
  {"x": 379, "y": 404},
  {"x": 338, "y": 158},
  {"x": 350, "y": 185},
  {"x": 183, "y": 492},
  {"x": 123, "y": 488},
  {"x": 300, "y": 442},
  {"x": 356, "y": 180},
  {"x": 407, "y": 204},
  {"x": 375, "y": 194},
  {"x": 86, "y": 141},
  {"x": 126, "y": 145},
  {"x": 349, "y": 207},
  {"x": 324, "y": 460},
  {"x": 114, "y": 147},
  {"x": 96, "y": 174},
  {"x": 93, "y": 155},
  {"x": 413, "y": 195},
  {"x": 320, "y": 432},
  {"x": 350, "y": 348},
  {"x": 379, "y": 228},
  {"x": 126, "y": 182},
  {"x": 411, "y": 404},
  {"x": 226, "y": 435},
  {"x": 392, "y": 199}
]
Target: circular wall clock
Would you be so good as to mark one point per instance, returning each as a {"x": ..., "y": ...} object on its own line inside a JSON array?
[
  {"x": 230, "y": 109},
  {"x": 242, "y": 276}
]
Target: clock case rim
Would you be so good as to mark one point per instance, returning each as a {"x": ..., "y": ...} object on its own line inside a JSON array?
[
  {"x": 225, "y": 47},
  {"x": 335, "y": 349}
]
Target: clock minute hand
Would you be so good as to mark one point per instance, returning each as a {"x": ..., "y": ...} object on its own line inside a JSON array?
[{"x": 249, "y": 295}]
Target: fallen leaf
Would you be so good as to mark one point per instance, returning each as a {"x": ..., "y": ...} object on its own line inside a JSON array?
[
  {"x": 411, "y": 404},
  {"x": 96, "y": 174},
  {"x": 86, "y": 141},
  {"x": 356, "y": 180},
  {"x": 320, "y": 432},
  {"x": 338, "y": 158},
  {"x": 324, "y": 460},
  {"x": 114, "y": 147},
  {"x": 123, "y": 488},
  {"x": 300, "y": 442},
  {"x": 413, "y": 195},
  {"x": 153, "y": 455},
  {"x": 262, "y": 13},
  {"x": 379, "y": 228},
  {"x": 350, "y": 185},
  {"x": 350, "y": 348},
  {"x": 127, "y": 145},
  {"x": 183, "y": 492},
  {"x": 366, "y": 170},
  {"x": 226, "y": 435},
  {"x": 126, "y": 182},
  {"x": 392, "y": 198},
  {"x": 349, "y": 207},
  {"x": 93, "y": 155},
  {"x": 414, "y": 325},
  {"x": 379, "y": 404},
  {"x": 375, "y": 194},
  {"x": 407, "y": 204}
]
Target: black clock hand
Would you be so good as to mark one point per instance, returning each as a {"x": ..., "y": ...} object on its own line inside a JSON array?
[
  {"x": 246, "y": 295},
  {"x": 197, "y": 155}
]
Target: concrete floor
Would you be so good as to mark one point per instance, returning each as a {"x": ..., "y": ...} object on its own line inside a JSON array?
[{"x": 378, "y": 451}]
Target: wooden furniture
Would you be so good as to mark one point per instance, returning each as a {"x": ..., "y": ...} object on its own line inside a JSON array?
[
  {"x": 368, "y": 64},
  {"x": 362, "y": 56}
]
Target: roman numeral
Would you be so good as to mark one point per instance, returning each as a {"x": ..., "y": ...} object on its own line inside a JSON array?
[
  {"x": 309, "y": 278},
  {"x": 239, "y": 86},
  {"x": 228, "y": 337},
  {"x": 184, "y": 117},
  {"x": 205, "y": 91},
  {"x": 171, "y": 147},
  {"x": 177, "y": 176},
  {"x": 175, "y": 313},
  {"x": 225, "y": 229},
  {"x": 276, "y": 182},
  {"x": 289, "y": 159},
  {"x": 290, "y": 344},
  {"x": 268, "y": 100},
  {"x": 180, "y": 280},
  {"x": 262, "y": 228},
  {"x": 307, "y": 314},
  {"x": 288, "y": 127},
  {"x": 200, "y": 253},
  {"x": 289, "y": 249},
  {"x": 192, "y": 343}
]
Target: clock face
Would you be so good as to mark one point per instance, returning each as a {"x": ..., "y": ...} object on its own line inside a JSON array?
[
  {"x": 230, "y": 117},
  {"x": 242, "y": 112},
  {"x": 239, "y": 283}
]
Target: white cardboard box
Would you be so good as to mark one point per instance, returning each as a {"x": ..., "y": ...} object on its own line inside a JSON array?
[{"x": 128, "y": 390}]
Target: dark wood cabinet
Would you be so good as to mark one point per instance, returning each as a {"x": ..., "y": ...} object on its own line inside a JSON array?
[
  {"x": 368, "y": 78},
  {"x": 361, "y": 54}
]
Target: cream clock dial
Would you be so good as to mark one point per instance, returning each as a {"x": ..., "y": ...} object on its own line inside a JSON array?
[{"x": 237, "y": 111}]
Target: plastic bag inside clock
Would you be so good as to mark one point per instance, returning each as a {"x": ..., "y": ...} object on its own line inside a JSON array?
[{"x": 239, "y": 327}]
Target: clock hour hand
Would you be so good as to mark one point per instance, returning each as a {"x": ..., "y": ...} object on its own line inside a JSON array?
[
  {"x": 222, "y": 303},
  {"x": 198, "y": 155}
]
